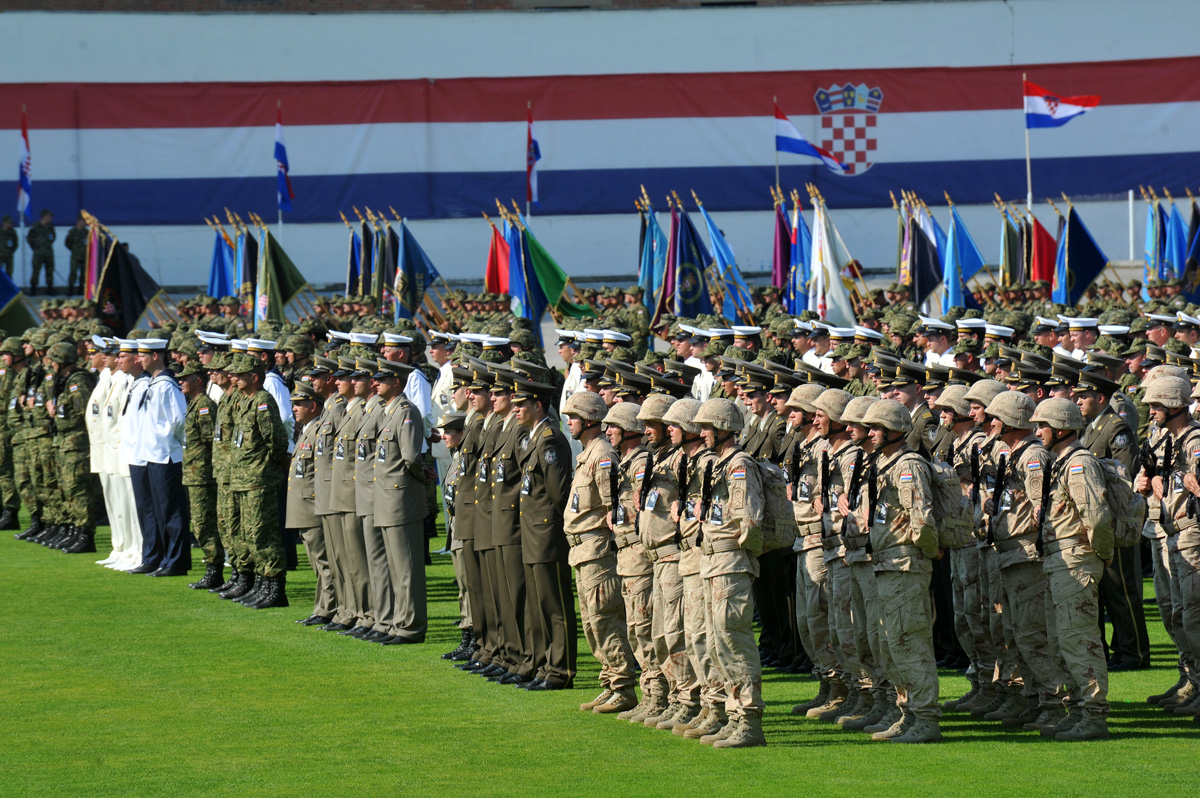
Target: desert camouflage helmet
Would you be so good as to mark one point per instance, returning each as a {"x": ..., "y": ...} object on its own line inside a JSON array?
[
  {"x": 954, "y": 399},
  {"x": 889, "y": 414},
  {"x": 1014, "y": 409},
  {"x": 654, "y": 406},
  {"x": 856, "y": 408},
  {"x": 1059, "y": 414},
  {"x": 985, "y": 391},
  {"x": 1168, "y": 391},
  {"x": 833, "y": 403},
  {"x": 802, "y": 397},
  {"x": 682, "y": 414},
  {"x": 721, "y": 414},
  {"x": 1159, "y": 372},
  {"x": 587, "y": 406},
  {"x": 625, "y": 416}
]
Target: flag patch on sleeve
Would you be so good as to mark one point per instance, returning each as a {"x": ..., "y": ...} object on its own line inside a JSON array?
[
  {"x": 906, "y": 477},
  {"x": 738, "y": 474},
  {"x": 605, "y": 463},
  {"x": 204, "y": 411},
  {"x": 263, "y": 406},
  {"x": 1033, "y": 465},
  {"x": 1077, "y": 469},
  {"x": 640, "y": 474}
]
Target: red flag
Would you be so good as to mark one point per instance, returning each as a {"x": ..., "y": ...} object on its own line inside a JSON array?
[
  {"x": 1044, "y": 254},
  {"x": 781, "y": 251},
  {"x": 496, "y": 276}
]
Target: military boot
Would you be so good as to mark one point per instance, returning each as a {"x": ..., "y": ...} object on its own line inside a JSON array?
[
  {"x": 1047, "y": 716},
  {"x": 725, "y": 731},
  {"x": 818, "y": 700},
  {"x": 85, "y": 543},
  {"x": 716, "y": 720},
  {"x": 683, "y": 717},
  {"x": 1014, "y": 705},
  {"x": 922, "y": 730},
  {"x": 587, "y": 706},
  {"x": 34, "y": 529},
  {"x": 1032, "y": 712},
  {"x": 1181, "y": 697},
  {"x": 52, "y": 533},
  {"x": 863, "y": 701},
  {"x": 619, "y": 701},
  {"x": 1169, "y": 694},
  {"x": 254, "y": 593},
  {"x": 890, "y": 717},
  {"x": 67, "y": 539},
  {"x": 980, "y": 707},
  {"x": 638, "y": 713},
  {"x": 274, "y": 593},
  {"x": 879, "y": 708},
  {"x": 699, "y": 719},
  {"x": 1088, "y": 728},
  {"x": 239, "y": 584},
  {"x": 1073, "y": 716},
  {"x": 899, "y": 727},
  {"x": 463, "y": 645},
  {"x": 665, "y": 711},
  {"x": 9, "y": 521},
  {"x": 213, "y": 575},
  {"x": 847, "y": 707},
  {"x": 748, "y": 734},
  {"x": 837, "y": 697},
  {"x": 956, "y": 703},
  {"x": 1190, "y": 708}
]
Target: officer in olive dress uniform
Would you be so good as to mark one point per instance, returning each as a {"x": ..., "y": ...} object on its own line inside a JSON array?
[{"x": 301, "y": 505}]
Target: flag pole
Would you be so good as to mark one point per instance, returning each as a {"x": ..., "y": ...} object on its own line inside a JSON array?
[
  {"x": 1028, "y": 162},
  {"x": 775, "y": 99}
]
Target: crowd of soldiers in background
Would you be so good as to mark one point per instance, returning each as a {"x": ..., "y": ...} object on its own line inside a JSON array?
[{"x": 885, "y": 498}]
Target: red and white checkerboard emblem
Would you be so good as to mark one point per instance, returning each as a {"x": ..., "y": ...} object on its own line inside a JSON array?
[{"x": 848, "y": 116}]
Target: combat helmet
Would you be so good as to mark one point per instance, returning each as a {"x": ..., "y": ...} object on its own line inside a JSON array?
[
  {"x": 1059, "y": 414},
  {"x": 587, "y": 406},
  {"x": 720, "y": 414},
  {"x": 682, "y": 414},
  {"x": 1014, "y": 409},
  {"x": 889, "y": 414}
]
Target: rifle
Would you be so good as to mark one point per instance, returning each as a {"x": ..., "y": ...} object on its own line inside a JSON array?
[
  {"x": 825, "y": 479},
  {"x": 997, "y": 493},
  {"x": 856, "y": 479},
  {"x": 646, "y": 478},
  {"x": 705, "y": 497},
  {"x": 1047, "y": 484},
  {"x": 794, "y": 466},
  {"x": 872, "y": 500},
  {"x": 682, "y": 478},
  {"x": 976, "y": 475},
  {"x": 614, "y": 487}
]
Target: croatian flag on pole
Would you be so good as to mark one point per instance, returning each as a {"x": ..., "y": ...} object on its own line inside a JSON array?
[
  {"x": 1047, "y": 109},
  {"x": 284, "y": 189},
  {"x": 533, "y": 154},
  {"x": 24, "y": 172},
  {"x": 788, "y": 139}
]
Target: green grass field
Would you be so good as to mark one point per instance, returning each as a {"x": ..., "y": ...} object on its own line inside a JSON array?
[{"x": 117, "y": 684}]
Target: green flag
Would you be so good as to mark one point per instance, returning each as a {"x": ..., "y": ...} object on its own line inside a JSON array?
[
  {"x": 553, "y": 281},
  {"x": 279, "y": 281}
]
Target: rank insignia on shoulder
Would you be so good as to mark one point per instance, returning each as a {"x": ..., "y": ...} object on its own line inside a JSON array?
[
  {"x": 906, "y": 476},
  {"x": 263, "y": 406},
  {"x": 1077, "y": 469}
]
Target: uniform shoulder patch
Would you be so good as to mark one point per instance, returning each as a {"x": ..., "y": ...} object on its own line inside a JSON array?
[
  {"x": 1033, "y": 465},
  {"x": 1077, "y": 469},
  {"x": 605, "y": 463},
  {"x": 1121, "y": 439},
  {"x": 738, "y": 473},
  {"x": 906, "y": 476},
  {"x": 551, "y": 456},
  {"x": 74, "y": 387},
  {"x": 203, "y": 411},
  {"x": 263, "y": 406}
]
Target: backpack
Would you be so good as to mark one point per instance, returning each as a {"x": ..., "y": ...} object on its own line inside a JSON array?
[
  {"x": 1127, "y": 506},
  {"x": 952, "y": 512},
  {"x": 779, "y": 526}
]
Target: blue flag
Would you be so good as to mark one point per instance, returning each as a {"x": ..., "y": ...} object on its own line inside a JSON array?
[
  {"x": 1078, "y": 263},
  {"x": 653, "y": 263},
  {"x": 1175, "y": 244},
  {"x": 960, "y": 262},
  {"x": 795, "y": 297},
  {"x": 691, "y": 289},
  {"x": 414, "y": 275},
  {"x": 220, "y": 273},
  {"x": 283, "y": 188},
  {"x": 352, "y": 270},
  {"x": 737, "y": 293}
]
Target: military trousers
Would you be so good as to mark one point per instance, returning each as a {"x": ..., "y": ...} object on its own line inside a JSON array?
[
  {"x": 846, "y": 631},
  {"x": 864, "y": 597},
  {"x": 776, "y": 604},
  {"x": 637, "y": 590},
  {"x": 489, "y": 602},
  {"x": 1025, "y": 603},
  {"x": 812, "y": 611},
  {"x": 202, "y": 502},
  {"x": 356, "y": 572},
  {"x": 10, "y": 499},
  {"x": 255, "y": 520},
  {"x": 383, "y": 597},
  {"x": 335, "y": 556},
  {"x": 45, "y": 477},
  {"x": 460, "y": 583},
  {"x": 964, "y": 567},
  {"x": 1121, "y": 599},
  {"x": 1161, "y": 560},
  {"x": 999, "y": 624},
  {"x": 42, "y": 259},
  {"x": 127, "y": 510},
  {"x": 732, "y": 641},
  {"x": 977, "y": 599},
  {"x": 324, "y": 602},
  {"x": 602, "y": 614},
  {"x": 704, "y": 686},
  {"x": 473, "y": 572},
  {"x": 551, "y": 629},
  {"x": 512, "y": 594},
  {"x": 24, "y": 475},
  {"x": 1185, "y": 603},
  {"x": 907, "y": 624},
  {"x": 667, "y": 632},
  {"x": 405, "y": 548},
  {"x": 1073, "y": 576}
]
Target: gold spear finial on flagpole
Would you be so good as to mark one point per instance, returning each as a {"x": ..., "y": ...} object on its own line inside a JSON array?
[
  {"x": 699, "y": 204},
  {"x": 358, "y": 213},
  {"x": 399, "y": 218},
  {"x": 1167, "y": 194},
  {"x": 1067, "y": 200}
]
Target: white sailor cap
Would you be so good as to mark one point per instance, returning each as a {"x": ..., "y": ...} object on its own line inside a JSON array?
[
  {"x": 1083, "y": 323},
  {"x": 971, "y": 324},
  {"x": 439, "y": 335},
  {"x": 935, "y": 324},
  {"x": 337, "y": 335},
  {"x": 99, "y": 342},
  {"x": 145, "y": 345},
  {"x": 454, "y": 337},
  {"x": 1185, "y": 319},
  {"x": 1160, "y": 318},
  {"x": 565, "y": 335},
  {"x": 364, "y": 339},
  {"x": 238, "y": 344},
  {"x": 720, "y": 332},
  {"x": 396, "y": 338},
  {"x": 593, "y": 335},
  {"x": 746, "y": 332},
  {"x": 802, "y": 326},
  {"x": 841, "y": 333},
  {"x": 867, "y": 333},
  {"x": 127, "y": 344},
  {"x": 494, "y": 342},
  {"x": 1046, "y": 321},
  {"x": 211, "y": 334},
  {"x": 474, "y": 338},
  {"x": 614, "y": 336},
  {"x": 998, "y": 331},
  {"x": 1114, "y": 329}
]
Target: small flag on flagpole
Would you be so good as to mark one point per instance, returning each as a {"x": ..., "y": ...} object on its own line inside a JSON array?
[
  {"x": 789, "y": 139},
  {"x": 24, "y": 172},
  {"x": 533, "y": 154},
  {"x": 1046, "y": 109},
  {"x": 284, "y": 187}
]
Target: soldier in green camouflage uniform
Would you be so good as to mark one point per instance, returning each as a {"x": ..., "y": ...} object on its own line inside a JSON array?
[
  {"x": 76, "y": 241},
  {"x": 257, "y": 462},
  {"x": 16, "y": 415},
  {"x": 8, "y": 243},
  {"x": 39, "y": 438},
  {"x": 41, "y": 240},
  {"x": 235, "y": 548},
  {"x": 198, "y": 426},
  {"x": 72, "y": 451},
  {"x": 9, "y": 498}
]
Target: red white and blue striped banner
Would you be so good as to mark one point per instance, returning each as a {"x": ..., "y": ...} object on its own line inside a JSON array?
[{"x": 172, "y": 153}]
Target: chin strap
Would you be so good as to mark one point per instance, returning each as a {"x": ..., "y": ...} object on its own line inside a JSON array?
[
  {"x": 889, "y": 440},
  {"x": 1172, "y": 416},
  {"x": 720, "y": 440}
]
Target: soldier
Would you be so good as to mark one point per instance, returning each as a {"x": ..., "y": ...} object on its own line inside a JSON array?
[
  {"x": 10, "y": 498},
  {"x": 545, "y": 466},
  {"x": 904, "y": 542},
  {"x": 451, "y": 433},
  {"x": 483, "y": 625},
  {"x": 76, "y": 243},
  {"x": 1078, "y": 542},
  {"x": 731, "y": 512},
  {"x": 399, "y": 506},
  {"x": 198, "y": 477},
  {"x": 8, "y": 243},
  {"x": 257, "y": 463},
  {"x": 73, "y": 387},
  {"x": 594, "y": 558},
  {"x": 302, "y": 502},
  {"x": 40, "y": 238}
]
